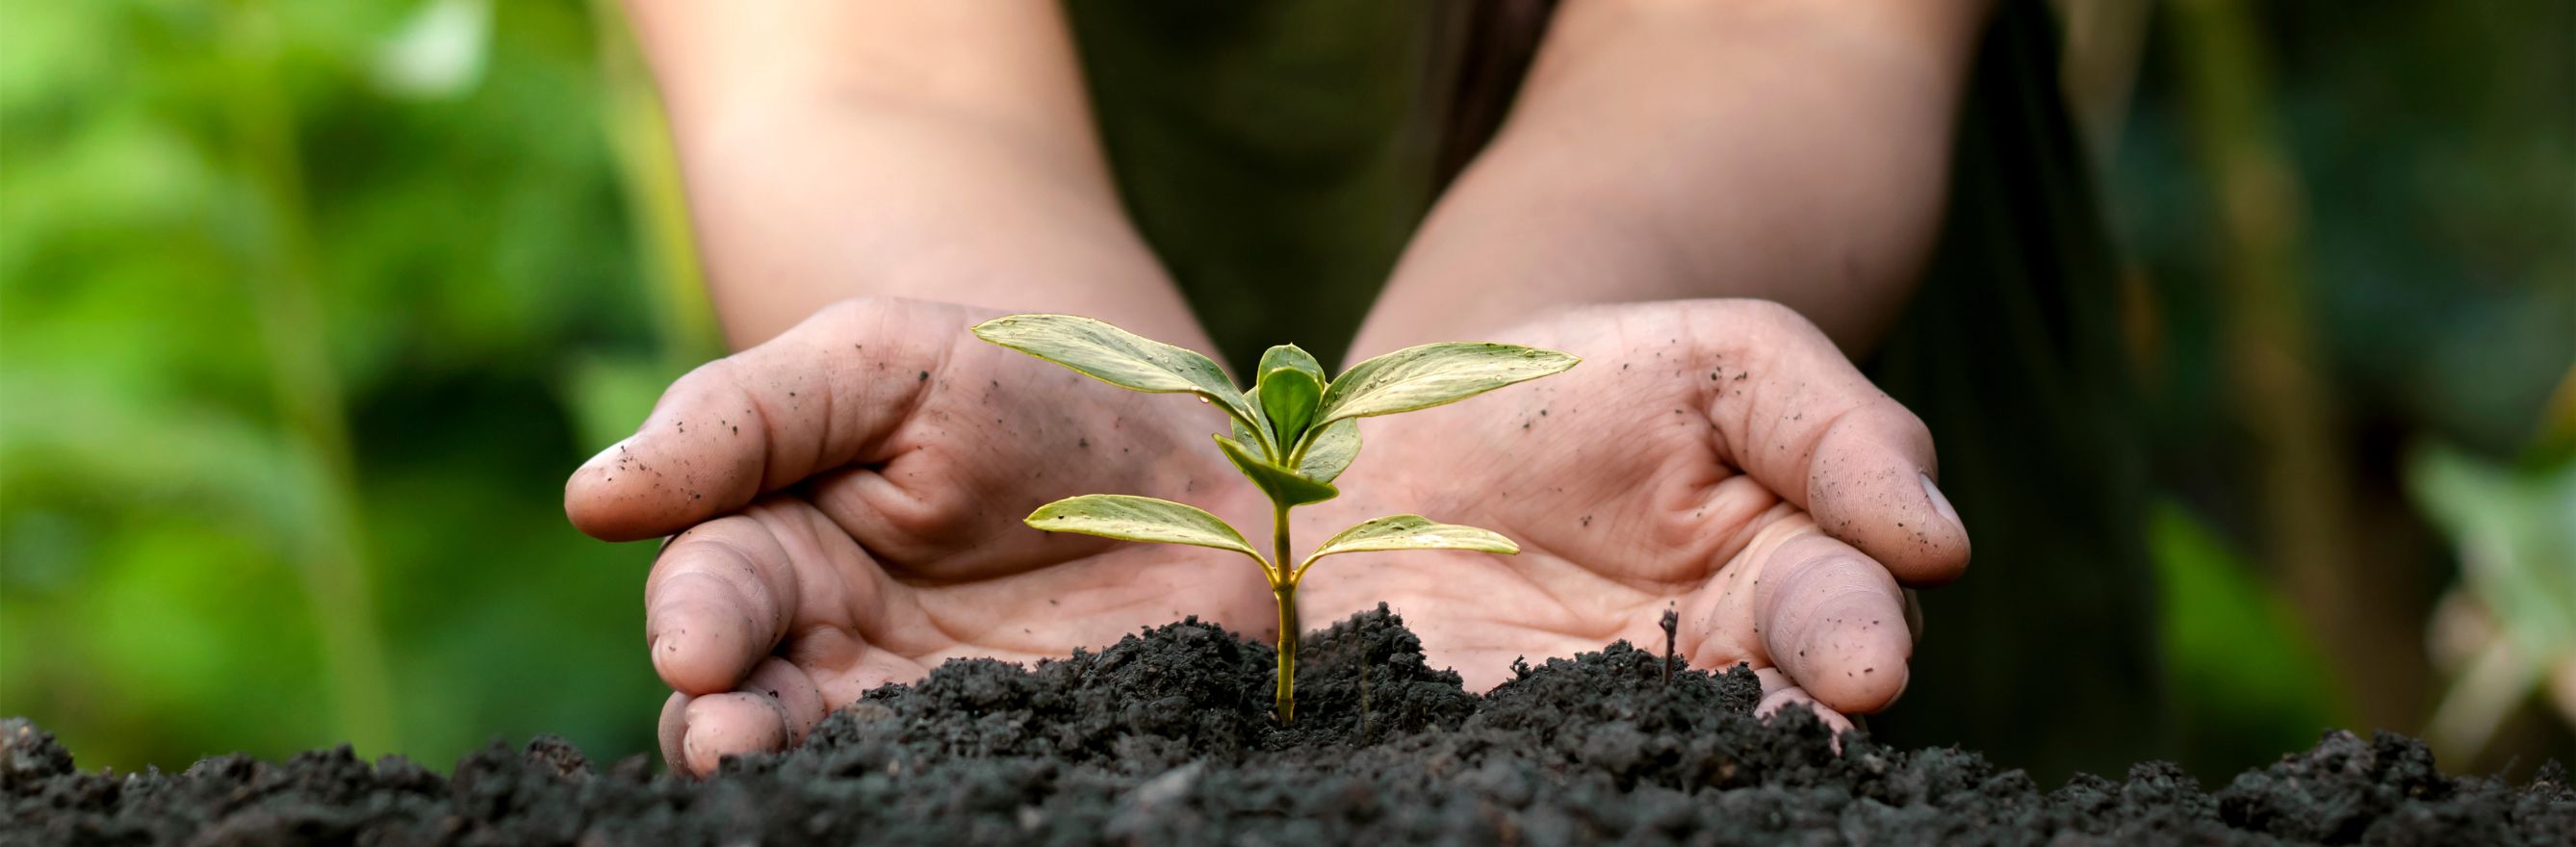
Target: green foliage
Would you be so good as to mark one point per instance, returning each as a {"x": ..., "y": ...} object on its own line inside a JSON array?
[
  {"x": 1293, "y": 356},
  {"x": 2517, "y": 530},
  {"x": 1130, "y": 518},
  {"x": 1294, "y": 432},
  {"x": 2244, "y": 674},
  {"x": 1284, "y": 487},
  {"x": 1121, "y": 358},
  {"x": 1410, "y": 532},
  {"x": 1433, "y": 375},
  {"x": 202, "y": 205},
  {"x": 1288, "y": 398},
  {"x": 1331, "y": 450},
  {"x": 2515, "y": 527}
]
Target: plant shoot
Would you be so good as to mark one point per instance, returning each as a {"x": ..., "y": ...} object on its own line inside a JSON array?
[{"x": 1294, "y": 432}]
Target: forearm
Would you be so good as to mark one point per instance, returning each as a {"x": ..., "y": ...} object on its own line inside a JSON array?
[
  {"x": 1793, "y": 152},
  {"x": 935, "y": 151}
]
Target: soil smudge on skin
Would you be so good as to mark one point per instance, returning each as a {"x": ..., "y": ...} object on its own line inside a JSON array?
[{"x": 1166, "y": 737}]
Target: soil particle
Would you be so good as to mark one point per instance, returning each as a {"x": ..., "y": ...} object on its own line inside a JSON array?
[{"x": 1166, "y": 737}]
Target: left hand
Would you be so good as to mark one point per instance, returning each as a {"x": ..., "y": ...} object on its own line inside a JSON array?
[{"x": 1721, "y": 456}]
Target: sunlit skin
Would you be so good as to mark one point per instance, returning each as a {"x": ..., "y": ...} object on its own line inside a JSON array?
[{"x": 882, "y": 533}]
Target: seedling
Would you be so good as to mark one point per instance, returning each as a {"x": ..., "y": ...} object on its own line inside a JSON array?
[{"x": 1294, "y": 432}]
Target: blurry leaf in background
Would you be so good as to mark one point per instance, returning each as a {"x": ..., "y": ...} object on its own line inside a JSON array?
[
  {"x": 606, "y": 395},
  {"x": 122, "y": 626},
  {"x": 2243, "y": 676},
  {"x": 2437, "y": 211},
  {"x": 473, "y": 259},
  {"x": 2510, "y": 626},
  {"x": 439, "y": 53},
  {"x": 2435, "y": 273}
]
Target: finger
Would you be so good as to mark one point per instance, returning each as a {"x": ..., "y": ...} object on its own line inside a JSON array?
[
  {"x": 1793, "y": 412},
  {"x": 800, "y": 701},
  {"x": 731, "y": 724},
  {"x": 773, "y": 709},
  {"x": 674, "y": 729},
  {"x": 1834, "y": 622},
  {"x": 720, "y": 599},
  {"x": 1914, "y": 615},
  {"x": 820, "y": 396},
  {"x": 1779, "y": 692}
]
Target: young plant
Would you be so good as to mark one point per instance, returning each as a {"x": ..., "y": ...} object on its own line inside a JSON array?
[{"x": 1294, "y": 432}]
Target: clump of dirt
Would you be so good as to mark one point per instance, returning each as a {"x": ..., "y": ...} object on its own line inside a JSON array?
[{"x": 1166, "y": 737}]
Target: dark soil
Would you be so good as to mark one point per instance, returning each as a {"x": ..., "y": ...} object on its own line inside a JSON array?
[{"x": 1167, "y": 738}]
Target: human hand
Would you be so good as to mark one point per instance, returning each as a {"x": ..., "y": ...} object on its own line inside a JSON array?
[
  {"x": 849, "y": 500},
  {"x": 1721, "y": 456}
]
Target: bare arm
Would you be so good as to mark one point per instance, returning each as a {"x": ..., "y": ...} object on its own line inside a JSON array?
[
  {"x": 935, "y": 151},
  {"x": 1786, "y": 151}
]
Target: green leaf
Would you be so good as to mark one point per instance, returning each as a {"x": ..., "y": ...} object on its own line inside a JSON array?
[
  {"x": 1254, "y": 441},
  {"x": 1130, "y": 518},
  {"x": 1433, "y": 374},
  {"x": 1118, "y": 357},
  {"x": 1250, "y": 440},
  {"x": 1291, "y": 356},
  {"x": 1335, "y": 445},
  {"x": 1410, "y": 532},
  {"x": 1283, "y": 486},
  {"x": 1288, "y": 398},
  {"x": 2513, "y": 521},
  {"x": 2225, "y": 632}
]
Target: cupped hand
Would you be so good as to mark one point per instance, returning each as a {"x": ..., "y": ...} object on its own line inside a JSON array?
[
  {"x": 1717, "y": 456},
  {"x": 848, "y": 501}
]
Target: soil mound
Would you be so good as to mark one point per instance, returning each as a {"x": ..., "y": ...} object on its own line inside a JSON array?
[{"x": 1166, "y": 737}]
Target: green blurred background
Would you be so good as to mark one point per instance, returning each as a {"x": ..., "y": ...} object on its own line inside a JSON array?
[{"x": 307, "y": 307}]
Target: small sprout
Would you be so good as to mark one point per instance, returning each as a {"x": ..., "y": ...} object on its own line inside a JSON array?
[
  {"x": 1672, "y": 624},
  {"x": 1294, "y": 431}
]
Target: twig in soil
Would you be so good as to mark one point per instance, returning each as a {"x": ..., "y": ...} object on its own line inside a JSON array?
[{"x": 1672, "y": 624}]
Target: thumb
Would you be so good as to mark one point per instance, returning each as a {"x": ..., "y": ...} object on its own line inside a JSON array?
[
  {"x": 1794, "y": 414},
  {"x": 820, "y": 396}
]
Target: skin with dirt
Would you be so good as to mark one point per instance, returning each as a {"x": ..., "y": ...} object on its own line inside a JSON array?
[{"x": 1167, "y": 737}]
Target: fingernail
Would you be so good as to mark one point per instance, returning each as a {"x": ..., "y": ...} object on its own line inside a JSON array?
[{"x": 1939, "y": 503}]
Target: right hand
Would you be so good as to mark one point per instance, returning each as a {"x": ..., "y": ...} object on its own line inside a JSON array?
[
  {"x": 1721, "y": 458},
  {"x": 848, "y": 498}
]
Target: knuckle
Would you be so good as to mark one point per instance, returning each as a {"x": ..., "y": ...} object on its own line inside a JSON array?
[
  {"x": 1899, "y": 424},
  {"x": 704, "y": 383},
  {"x": 716, "y": 550}
]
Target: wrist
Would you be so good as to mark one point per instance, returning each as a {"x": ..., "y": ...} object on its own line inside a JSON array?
[
  {"x": 1659, "y": 152},
  {"x": 1508, "y": 245},
  {"x": 867, "y": 201}
]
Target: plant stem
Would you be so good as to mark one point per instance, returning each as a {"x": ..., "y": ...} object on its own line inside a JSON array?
[
  {"x": 1286, "y": 591},
  {"x": 1287, "y": 693}
]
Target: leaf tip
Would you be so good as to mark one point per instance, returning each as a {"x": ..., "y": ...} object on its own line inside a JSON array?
[{"x": 987, "y": 329}]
